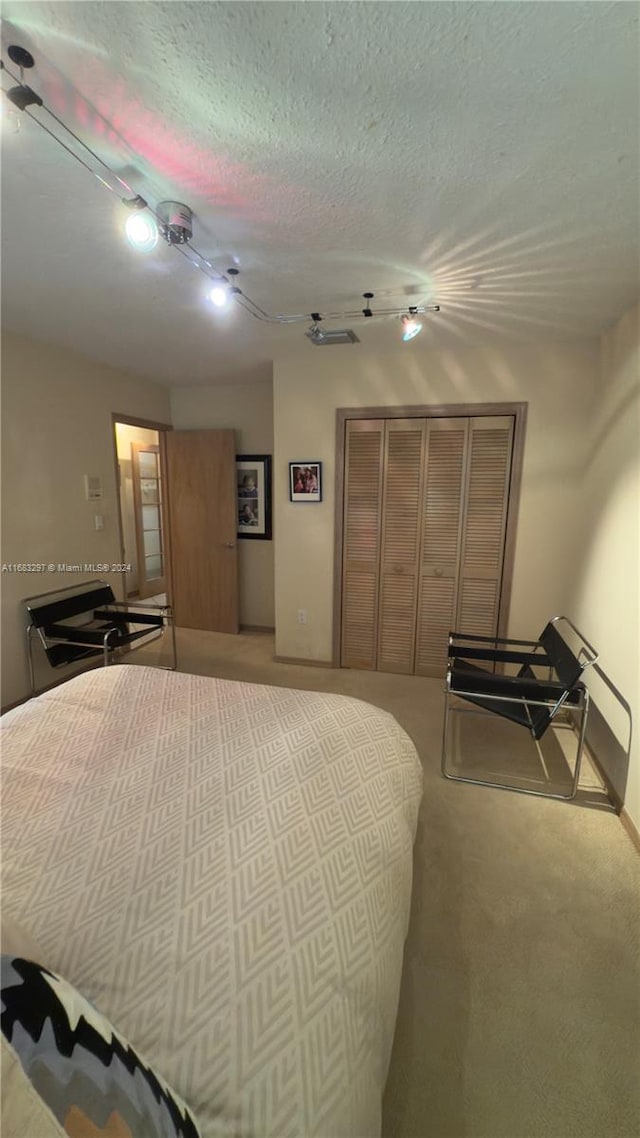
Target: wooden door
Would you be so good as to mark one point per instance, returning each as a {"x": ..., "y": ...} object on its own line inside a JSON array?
[
  {"x": 148, "y": 497},
  {"x": 442, "y": 517},
  {"x": 486, "y": 498},
  {"x": 361, "y": 543},
  {"x": 201, "y": 477},
  {"x": 400, "y": 543}
]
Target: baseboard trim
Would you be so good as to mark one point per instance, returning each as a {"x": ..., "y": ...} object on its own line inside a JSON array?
[
  {"x": 303, "y": 661},
  {"x": 608, "y": 785},
  {"x": 630, "y": 827},
  {"x": 257, "y": 628},
  {"x": 618, "y": 805}
]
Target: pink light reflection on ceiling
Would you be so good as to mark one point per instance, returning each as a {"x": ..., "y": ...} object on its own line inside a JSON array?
[{"x": 217, "y": 180}]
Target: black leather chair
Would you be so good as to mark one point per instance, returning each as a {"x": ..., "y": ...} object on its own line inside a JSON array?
[
  {"x": 85, "y": 621},
  {"x": 529, "y": 699}
]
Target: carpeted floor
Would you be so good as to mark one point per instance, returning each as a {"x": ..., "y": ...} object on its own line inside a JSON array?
[{"x": 520, "y": 1005}]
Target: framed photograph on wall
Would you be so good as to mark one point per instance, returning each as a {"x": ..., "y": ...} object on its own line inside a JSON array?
[
  {"x": 305, "y": 481},
  {"x": 253, "y": 496}
]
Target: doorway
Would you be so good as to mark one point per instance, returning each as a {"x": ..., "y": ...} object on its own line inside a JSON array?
[{"x": 144, "y": 532}]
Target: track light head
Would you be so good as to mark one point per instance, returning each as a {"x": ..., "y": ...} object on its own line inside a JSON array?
[
  {"x": 410, "y": 326},
  {"x": 142, "y": 232},
  {"x": 219, "y": 295},
  {"x": 177, "y": 222}
]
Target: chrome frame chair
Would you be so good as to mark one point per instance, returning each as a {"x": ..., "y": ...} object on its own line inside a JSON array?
[
  {"x": 103, "y": 628},
  {"x": 533, "y": 702}
]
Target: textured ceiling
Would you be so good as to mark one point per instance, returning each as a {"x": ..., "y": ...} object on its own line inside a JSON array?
[{"x": 482, "y": 156}]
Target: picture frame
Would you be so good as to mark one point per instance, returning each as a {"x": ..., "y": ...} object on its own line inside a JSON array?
[
  {"x": 305, "y": 481},
  {"x": 253, "y": 496}
]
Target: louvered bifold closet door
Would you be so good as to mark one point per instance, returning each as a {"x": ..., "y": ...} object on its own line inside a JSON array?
[
  {"x": 400, "y": 544},
  {"x": 484, "y": 522},
  {"x": 361, "y": 543},
  {"x": 442, "y": 513}
]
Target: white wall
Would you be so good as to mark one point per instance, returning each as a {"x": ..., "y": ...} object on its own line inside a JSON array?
[
  {"x": 607, "y": 566},
  {"x": 246, "y": 408},
  {"x": 557, "y": 380},
  {"x": 56, "y": 427}
]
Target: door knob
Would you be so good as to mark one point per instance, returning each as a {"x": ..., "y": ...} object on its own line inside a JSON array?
[
  {"x": 229, "y": 544},
  {"x": 437, "y": 572}
]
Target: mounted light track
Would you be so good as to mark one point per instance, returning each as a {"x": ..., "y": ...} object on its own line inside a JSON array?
[{"x": 174, "y": 221}]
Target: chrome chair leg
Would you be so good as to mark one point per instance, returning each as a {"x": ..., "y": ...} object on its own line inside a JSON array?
[{"x": 448, "y": 774}]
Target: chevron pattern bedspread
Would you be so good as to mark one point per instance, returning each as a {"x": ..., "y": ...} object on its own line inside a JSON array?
[{"x": 224, "y": 869}]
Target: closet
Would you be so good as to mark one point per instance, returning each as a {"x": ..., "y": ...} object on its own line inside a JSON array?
[{"x": 425, "y": 513}]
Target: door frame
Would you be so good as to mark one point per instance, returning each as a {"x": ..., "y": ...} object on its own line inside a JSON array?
[
  {"x": 161, "y": 428},
  {"x": 518, "y": 411}
]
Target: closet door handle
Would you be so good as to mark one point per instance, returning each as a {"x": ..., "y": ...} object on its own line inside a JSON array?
[
  {"x": 228, "y": 544},
  {"x": 437, "y": 572}
]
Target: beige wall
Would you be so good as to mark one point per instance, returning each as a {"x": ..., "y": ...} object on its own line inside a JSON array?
[
  {"x": 607, "y": 567},
  {"x": 246, "y": 408},
  {"x": 56, "y": 427},
  {"x": 557, "y": 380},
  {"x": 125, "y": 436}
]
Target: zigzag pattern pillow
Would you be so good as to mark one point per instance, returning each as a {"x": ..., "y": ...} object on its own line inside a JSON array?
[{"x": 89, "y": 1076}]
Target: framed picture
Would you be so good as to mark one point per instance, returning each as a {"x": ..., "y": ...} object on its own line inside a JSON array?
[
  {"x": 253, "y": 495},
  {"x": 305, "y": 481}
]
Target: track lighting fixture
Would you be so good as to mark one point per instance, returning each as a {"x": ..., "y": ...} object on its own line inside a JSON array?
[
  {"x": 219, "y": 296},
  {"x": 142, "y": 232},
  {"x": 410, "y": 326},
  {"x": 173, "y": 221},
  {"x": 22, "y": 96},
  {"x": 176, "y": 222}
]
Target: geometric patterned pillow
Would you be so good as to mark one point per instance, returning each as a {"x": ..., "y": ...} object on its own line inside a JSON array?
[{"x": 87, "y": 1074}]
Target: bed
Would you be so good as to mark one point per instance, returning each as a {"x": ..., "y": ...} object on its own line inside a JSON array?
[{"x": 224, "y": 869}]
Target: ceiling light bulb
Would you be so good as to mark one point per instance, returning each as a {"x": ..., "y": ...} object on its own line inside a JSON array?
[
  {"x": 142, "y": 232},
  {"x": 219, "y": 296},
  {"x": 410, "y": 328}
]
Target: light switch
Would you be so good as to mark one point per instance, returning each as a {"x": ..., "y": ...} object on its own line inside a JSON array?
[
  {"x": 98, "y": 521},
  {"x": 92, "y": 487}
]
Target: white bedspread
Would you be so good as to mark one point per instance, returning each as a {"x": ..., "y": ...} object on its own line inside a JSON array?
[{"x": 225, "y": 870}]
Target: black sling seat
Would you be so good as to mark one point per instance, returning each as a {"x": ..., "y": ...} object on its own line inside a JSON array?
[
  {"x": 528, "y": 699},
  {"x": 85, "y": 621}
]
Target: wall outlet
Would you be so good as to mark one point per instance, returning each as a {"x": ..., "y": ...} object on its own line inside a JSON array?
[{"x": 302, "y": 616}]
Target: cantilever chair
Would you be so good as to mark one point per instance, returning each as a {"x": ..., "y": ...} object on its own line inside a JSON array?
[
  {"x": 531, "y": 700},
  {"x": 85, "y": 621}
]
